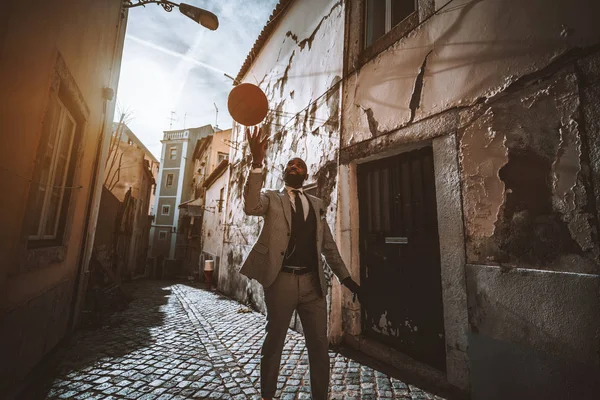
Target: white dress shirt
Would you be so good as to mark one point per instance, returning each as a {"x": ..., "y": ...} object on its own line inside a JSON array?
[{"x": 292, "y": 195}]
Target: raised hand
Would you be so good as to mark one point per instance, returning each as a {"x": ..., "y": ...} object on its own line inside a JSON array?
[{"x": 257, "y": 146}]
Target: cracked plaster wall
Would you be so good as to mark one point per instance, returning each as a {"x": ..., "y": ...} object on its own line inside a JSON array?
[
  {"x": 527, "y": 136},
  {"x": 299, "y": 62},
  {"x": 529, "y": 185},
  {"x": 471, "y": 50},
  {"x": 589, "y": 78},
  {"x": 526, "y": 188}
]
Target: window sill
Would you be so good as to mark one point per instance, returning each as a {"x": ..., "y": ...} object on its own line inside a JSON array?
[{"x": 40, "y": 257}]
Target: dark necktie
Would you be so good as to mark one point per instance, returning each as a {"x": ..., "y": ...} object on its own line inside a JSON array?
[{"x": 298, "y": 203}]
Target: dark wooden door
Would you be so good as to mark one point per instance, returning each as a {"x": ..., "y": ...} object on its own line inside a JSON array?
[{"x": 400, "y": 257}]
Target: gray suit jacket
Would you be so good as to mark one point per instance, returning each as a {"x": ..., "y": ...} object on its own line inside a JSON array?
[{"x": 266, "y": 257}]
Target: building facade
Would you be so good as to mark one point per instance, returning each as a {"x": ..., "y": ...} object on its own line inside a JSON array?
[
  {"x": 462, "y": 178},
  {"x": 122, "y": 236},
  {"x": 127, "y": 136},
  {"x": 208, "y": 154},
  {"x": 59, "y": 70},
  {"x": 468, "y": 192},
  {"x": 296, "y": 59},
  {"x": 174, "y": 186},
  {"x": 213, "y": 218}
]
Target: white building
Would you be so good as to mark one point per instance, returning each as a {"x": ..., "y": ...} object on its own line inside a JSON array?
[
  {"x": 461, "y": 168},
  {"x": 297, "y": 57},
  {"x": 213, "y": 218}
]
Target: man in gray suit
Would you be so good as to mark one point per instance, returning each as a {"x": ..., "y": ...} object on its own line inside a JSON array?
[{"x": 286, "y": 261}]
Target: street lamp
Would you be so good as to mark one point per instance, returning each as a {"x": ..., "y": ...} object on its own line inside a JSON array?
[{"x": 201, "y": 16}]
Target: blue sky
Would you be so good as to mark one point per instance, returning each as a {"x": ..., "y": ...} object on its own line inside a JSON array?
[{"x": 170, "y": 63}]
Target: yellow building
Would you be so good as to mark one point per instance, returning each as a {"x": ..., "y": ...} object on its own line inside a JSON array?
[
  {"x": 122, "y": 233},
  {"x": 59, "y": 69}
]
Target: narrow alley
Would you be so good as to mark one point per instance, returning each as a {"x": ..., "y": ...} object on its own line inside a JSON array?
[
  {"x": 408, "y": 188},
  {"x": 175, "y": 341}
]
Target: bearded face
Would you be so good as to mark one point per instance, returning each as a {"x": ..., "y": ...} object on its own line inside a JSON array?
[{"x": 295, "y": 173}]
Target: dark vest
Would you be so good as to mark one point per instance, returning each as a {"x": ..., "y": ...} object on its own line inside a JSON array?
[{"x": 302, "y": 247}]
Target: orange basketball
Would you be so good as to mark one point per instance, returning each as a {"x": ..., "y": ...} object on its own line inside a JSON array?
[{"x": 247, "y": 104}]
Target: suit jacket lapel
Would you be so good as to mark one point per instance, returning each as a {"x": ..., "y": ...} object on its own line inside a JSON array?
[
  {"x": 287, "y": 206},
  {"x": 315, "y": 206}
]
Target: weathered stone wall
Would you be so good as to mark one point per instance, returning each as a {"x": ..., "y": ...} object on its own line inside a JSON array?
[
  {"x": 528, "y": 169},
  {"x": 300, "y": 62},
  {"x": 465, "y": 54},
  {"x": 532, "y": 246},
  {"x": 588, "y": 75},
  {"x": 518, "y": 89},
  {"x": 527, "y": 192}
]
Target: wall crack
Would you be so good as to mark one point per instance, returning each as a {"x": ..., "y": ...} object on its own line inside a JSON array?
[
  {"x": 308, "y": 41},
  {"x": 292, "y": 35},
  {"x": 415, "y": 100},
  {"x": 283, "y": 80}
]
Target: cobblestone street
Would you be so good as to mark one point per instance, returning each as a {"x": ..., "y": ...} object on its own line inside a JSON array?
[{"x": 176, "y": 341}]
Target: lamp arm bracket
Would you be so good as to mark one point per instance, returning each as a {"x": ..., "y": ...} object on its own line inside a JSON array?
[{"x": 167, "y": 5}]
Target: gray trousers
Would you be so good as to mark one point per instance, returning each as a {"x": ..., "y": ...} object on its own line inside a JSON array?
[{"x": 302, "y": 293}]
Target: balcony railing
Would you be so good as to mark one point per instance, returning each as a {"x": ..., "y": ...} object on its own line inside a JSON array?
[{"x": 173, "y": 135}]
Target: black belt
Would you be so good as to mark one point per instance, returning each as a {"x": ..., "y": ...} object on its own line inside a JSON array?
[{"x": 295, "y": 271}]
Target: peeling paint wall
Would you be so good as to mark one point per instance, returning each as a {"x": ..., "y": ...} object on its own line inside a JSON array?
[
  {"x": 518, "y": 87},
  {"x": 525, "y": 198},
  {"x": 487, "y": 189},
  {"x": 588, "y": 73},
  {"x": 469, "y": 51},
  {"x": 301, "y": 60}
]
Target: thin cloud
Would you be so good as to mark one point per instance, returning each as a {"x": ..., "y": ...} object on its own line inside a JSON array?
[
  {"x": 174, "y": 54},
  {"x": 171, "y": 64}
]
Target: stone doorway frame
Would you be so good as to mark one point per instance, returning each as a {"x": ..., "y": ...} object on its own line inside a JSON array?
[{"x": 347, "y": 324}]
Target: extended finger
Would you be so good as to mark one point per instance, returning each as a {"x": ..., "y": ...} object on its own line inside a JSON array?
[
  {"x": 257, "y": 134},
  {"x": 264, "y": 141}
]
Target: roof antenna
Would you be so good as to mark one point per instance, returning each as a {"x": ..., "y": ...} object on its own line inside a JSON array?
[
  {"x": 217, "y": 116},
  {"x": 171, "y": 120}
]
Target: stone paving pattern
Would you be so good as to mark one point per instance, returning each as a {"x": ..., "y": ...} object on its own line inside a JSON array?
[{"x": 176, "y": 341}]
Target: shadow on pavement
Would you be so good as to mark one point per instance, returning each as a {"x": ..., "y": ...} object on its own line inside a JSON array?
[
  {"x": 120, "y": 334},
  {"x": 389, "y": 370}
]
